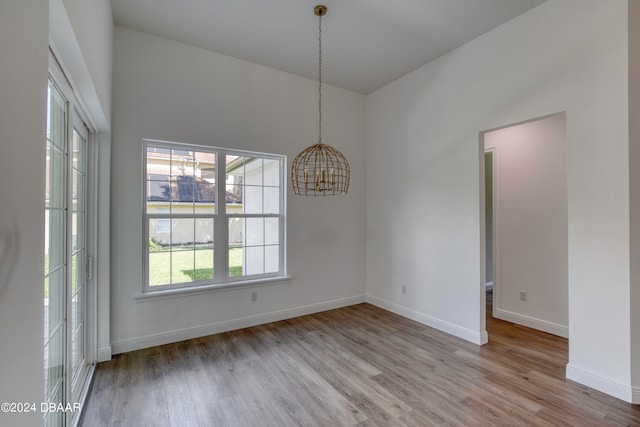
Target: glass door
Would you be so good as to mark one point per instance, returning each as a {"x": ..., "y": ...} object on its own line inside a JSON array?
[
  {"x": 78, "y": 286},
  {"x": 67, "y": 357},
  {"x": 56, "y": 258}
]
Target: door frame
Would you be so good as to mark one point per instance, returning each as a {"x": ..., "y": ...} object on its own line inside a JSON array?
[{"x": 493, "y": 151}]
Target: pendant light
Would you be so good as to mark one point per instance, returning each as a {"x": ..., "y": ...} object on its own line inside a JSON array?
[{"x": 320, "y": 170}]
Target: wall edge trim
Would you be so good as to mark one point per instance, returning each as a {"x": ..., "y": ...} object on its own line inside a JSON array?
[
  {"x": 146, "y": 341},
  {"x": 104, "y": 354},
  {"x": 532, "y": 322},
  {"x": 478, "y": 338},
  {"x": 602, "y": 384},
  {"x": 635, "y": 395}
]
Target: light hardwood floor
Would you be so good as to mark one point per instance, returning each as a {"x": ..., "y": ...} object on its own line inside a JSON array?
[{"x": 354, "y": 366}]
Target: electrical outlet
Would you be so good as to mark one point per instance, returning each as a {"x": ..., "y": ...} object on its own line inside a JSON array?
[
  {"x": 404, "y": 289},
  {"x": 523, "y": 296},
  {"x": 254, "y": 296}
]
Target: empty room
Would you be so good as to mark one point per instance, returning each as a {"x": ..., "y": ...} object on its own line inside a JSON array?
[{"x": 336, "y": 213}]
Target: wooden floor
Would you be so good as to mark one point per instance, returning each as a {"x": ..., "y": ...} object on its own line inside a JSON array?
[{"x": 354, "y": 366}]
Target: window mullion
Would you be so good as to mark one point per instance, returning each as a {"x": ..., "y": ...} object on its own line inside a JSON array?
[
  {"x": 281, "y": 217},
  {"x": 221, "y": 241}
]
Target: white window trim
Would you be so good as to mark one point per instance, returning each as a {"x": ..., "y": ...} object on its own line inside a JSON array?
[{"x": 221, "y": 280}]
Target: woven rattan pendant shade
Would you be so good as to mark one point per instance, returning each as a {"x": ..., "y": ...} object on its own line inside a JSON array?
[{"x": 320, "y": 170}]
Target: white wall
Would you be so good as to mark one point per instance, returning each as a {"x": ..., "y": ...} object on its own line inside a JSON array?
[
  {"x": 24, "y": 40},
  {"x": 531, "y": 226},
  {"x": 81, "y": 34},
  {"x": 170, "y": 91},
  {"x": 634, "y": 179},
  {"x": 92, "y": 24},
  {"x": 423, "y": 193},
  {"x": 23, "y": 92}
]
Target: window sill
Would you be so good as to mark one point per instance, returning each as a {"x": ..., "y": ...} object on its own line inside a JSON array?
[{"x": 181, "y": 292}]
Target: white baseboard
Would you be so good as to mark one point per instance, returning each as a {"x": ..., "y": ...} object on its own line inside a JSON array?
[
  {"x": 484, "y": 338},
  {"x": 605, "y": 385},
  {"x": 425, "y": 319},
  {"x": 532, "y": 322},
  {"x": 153, "y": 340},
  {"x": 104, "y": 354}
]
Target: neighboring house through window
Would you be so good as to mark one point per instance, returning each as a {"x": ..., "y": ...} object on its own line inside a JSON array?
[{"x": 213, "y": 216}]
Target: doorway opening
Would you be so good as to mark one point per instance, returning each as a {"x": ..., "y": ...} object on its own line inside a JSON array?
[{"x": 525, "y": 224}]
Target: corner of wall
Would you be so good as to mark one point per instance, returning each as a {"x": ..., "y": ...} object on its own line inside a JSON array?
[
  {"x": 474, "y": 337},
  {"x": 605, "y": 385}
]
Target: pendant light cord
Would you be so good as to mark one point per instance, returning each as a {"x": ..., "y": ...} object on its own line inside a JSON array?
[
  {"x": 320, "y": 170},
  {"x": 320, "y": 79}
]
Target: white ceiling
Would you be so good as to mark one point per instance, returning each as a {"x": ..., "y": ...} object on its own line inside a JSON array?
[{"x": 366, "y": 43}]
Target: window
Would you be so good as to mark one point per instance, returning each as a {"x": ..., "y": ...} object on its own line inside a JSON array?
[
  {"x": 163, "y": 226},
  {"x": 212, "y": 216}
]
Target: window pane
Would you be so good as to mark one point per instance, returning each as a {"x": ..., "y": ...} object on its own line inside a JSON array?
[
  {"x": 254, "y": 260},
  {"x": 252, "y": 200},
  {"x": 56, "y": 238},
  {"x": 271, "y": 172},
  {"x": 253, "y": 171},
  {"x": 77, "y": 311},
  {"x": 80, "y": 192},
  {"x": 55, "y": 418},
  {"x": 254, "y": 230},
  {"x": 77, "y": 348},
  {"x": 235, "y": 170},
  {"x": 271, "y": 200},
  {"x": 158, "y": 150},
  {"x": 79, "y": 241},
  {"x": 56, "y": 179},
  {"x": 182, "y": 250},
  {"x": 74, "y": 231},
  {"x": 182, "y": 233},
  {"x": 208, "y": 173},
  {"x": 234, "y": 180},
  {"x": 159, "y": 267},
  {"x": 74, "y": 273},
  {"x": 205, "y": 197},
  {"x": 236, "y": 231},
  {"x": 204, "y": 231},
  {"x": 271, "y": 259},
  {"x": 203, "y": 264},
  {"x": 47, "y": 175},
  {"x": 54, "y": 300},
  {"x": 57, "y": 118},
  {"x": 54, "y": 362},
  {"x": 162, "y": 227},
  {"x": 182, "y": 264},
  {"x": 79, "y": 143},
  {"x": 271, "y": 231},
  {"x": 235, "y": 261},
  {"x": 158, "y": 189},
  {"x": 234, "y": 197},
  {"x": 204, "y": 249},
  {"x": 182, "y": 178},
  {"x": 186, "y": 189}
]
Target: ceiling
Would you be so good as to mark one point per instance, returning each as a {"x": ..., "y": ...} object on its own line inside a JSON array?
[{"x": 366, "y": 43}]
